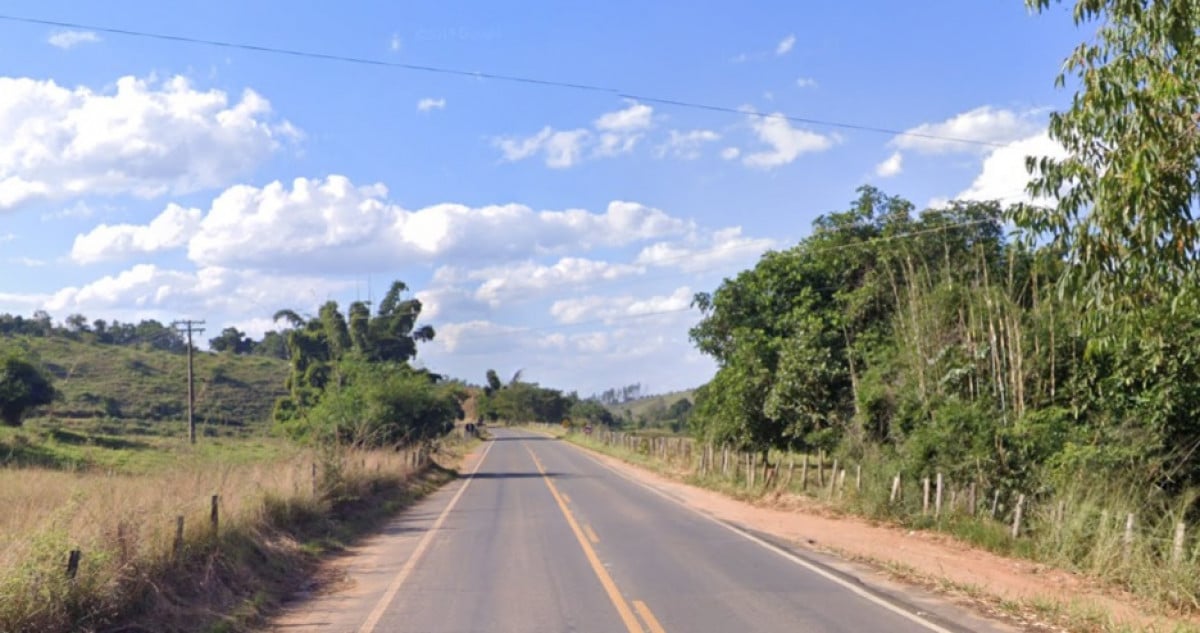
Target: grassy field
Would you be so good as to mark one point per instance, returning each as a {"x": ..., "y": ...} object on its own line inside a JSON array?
[
  {"x": 134, "y": 390},
  {"x": 643, "y": 406},
  {"x": 280, "y": 507}
]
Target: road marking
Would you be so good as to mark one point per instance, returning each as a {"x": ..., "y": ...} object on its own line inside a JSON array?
[
  {"x": 406, "y": 570},
  {"x": 648, "y": 617},
  {"x": 591, "y": 534},
  {"x": 566, "y": 498},
  {"x": 610, "y": 587},
  {"x": 886, "y": 604}
]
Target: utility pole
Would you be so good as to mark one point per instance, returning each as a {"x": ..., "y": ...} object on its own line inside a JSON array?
[{"x": 189, "y": 327}]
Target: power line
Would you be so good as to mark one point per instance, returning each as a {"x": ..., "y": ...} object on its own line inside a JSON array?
[{"x": 350, "y": 59}]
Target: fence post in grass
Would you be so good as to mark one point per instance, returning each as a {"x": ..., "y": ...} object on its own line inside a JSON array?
[
  {"x": 215, "y": 514},
  {"x": 925, "y": 496},
  {"x": 841, "y": 483},
  {"x": 177, "y": 546},
  {"x": 791, "y": 471},
  {"x": 750, "y": 469},
  {"x": 314, "y": 479},
  {"x": 937, "y": 499},
  {"x": 725, "y": 460},
  {"x": 995, "y": 502},
  {"x": 833, "y": 478},
  {"x": 1127, "y": 541},
  {"x": 971, "y": 498},
  {"x": 1016, "y": 526},
  {"x": 895, "y": 489},
  {"x": 804, "y": 474},
  {"x": 820, "y": 469},
  {"x": 73, "y": 563},
  {"x": 858, "y": 478},
  {"x": 1177, "y": 544}
]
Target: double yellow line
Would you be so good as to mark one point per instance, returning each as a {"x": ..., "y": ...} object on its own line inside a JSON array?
[{"x": 586, "y": 536}]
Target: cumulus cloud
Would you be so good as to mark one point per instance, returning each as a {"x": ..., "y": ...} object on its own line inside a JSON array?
[
  {"x": 731, "y": 153},
  {"x": 144, "y": 139},
  {"x": 1003, "y": 175},
  {"x": 332, "y": 225},
  {"x": 502, "y": 284},
  {"x": 786, "y": 143},
  {"x": 608, "y": 309},
  {"x": 70, "y": 39},
  {"x": 806, "y": 82},
  {"x": 613, "y": 133},
  {"x": 785, "y": 45},
  {"x": 891, "y": 166},
  {"x": 722, "y": 247},
  {"x": 985, "y": 123},
  {"x": 429, "y": 103},
  {"x": 148, "y": 287},
  {"x": 171, "y": 229},
  {"x": 686, "y": 145}
]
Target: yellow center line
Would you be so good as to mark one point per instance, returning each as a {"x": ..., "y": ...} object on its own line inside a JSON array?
[
  {"x": 610, "y": 587},
  {"x": 591, "y": 534},
  {"x": 648, "y": 616}
]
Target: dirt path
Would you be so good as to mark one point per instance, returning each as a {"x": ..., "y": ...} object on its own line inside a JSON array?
[{"x": 932, "y": 556}]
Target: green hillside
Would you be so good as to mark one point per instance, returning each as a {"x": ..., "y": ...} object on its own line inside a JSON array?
[
  {"x": 654, "y": 411},
  {"x": 142, "y": 387}
]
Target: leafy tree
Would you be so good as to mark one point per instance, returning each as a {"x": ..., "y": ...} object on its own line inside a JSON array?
[
  {"x": 23, "y": 386},
  {"x": 1126, "y": 191},
  {"x": 233, "y": 341}
]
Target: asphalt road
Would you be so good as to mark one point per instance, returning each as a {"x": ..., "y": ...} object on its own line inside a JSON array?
[{"x": 543, "y": 538}]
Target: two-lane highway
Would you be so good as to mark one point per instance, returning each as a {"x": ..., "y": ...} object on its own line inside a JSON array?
[{"x": 543, "y": 538}]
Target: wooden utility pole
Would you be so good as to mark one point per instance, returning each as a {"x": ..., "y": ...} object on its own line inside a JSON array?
[{"x": 189, "y": 327}]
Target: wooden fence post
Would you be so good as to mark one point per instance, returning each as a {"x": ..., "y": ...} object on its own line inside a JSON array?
[
  {"x": 314, "y": 479},
  {"x": 895, "y": 489},
  {"x": 833, "y": 478},
  {"x": 841, "y": 487},
  {"x": 937, "y": 500},
  {"x": 214, "y": 514},
  {"x": 804, "y": 474},
  {"x": 820, "y": 469},
  {"x": 858, "y": 478},
  {"x": 791, "y": 471},
  {"x": 995, "y": 502},
  {"x": 73, "y": 563},
  {"x": 1127, "y": 541},
  {"x": 971, "y": 498},
  {"x": 1016, "y": 526},
  {"x": 925, "y": 496},
  {"x": 1177, "y": 544}
]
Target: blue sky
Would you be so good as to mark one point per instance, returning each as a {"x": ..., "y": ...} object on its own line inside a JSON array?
[{"x": 547, "y": 229}]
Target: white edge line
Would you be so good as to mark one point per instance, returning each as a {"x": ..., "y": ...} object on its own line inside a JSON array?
[
  {"x": 774, "y": 548},
  {"x": 394, "y": 588}
]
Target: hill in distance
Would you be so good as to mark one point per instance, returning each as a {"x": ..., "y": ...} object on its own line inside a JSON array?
[{"x": 138, "y": 388}]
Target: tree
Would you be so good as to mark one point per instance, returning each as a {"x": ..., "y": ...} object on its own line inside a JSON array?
[
  {"x": 1127, "y": 189},
  {"x": 233, "y": 341},
  {"x": 23, "y": 386}
]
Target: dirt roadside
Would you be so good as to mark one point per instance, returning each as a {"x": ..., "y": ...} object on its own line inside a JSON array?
[{"x": 1019, "y": 590}]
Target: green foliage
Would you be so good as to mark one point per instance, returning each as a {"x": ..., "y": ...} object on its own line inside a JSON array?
[{"x": 23, "y": 386}]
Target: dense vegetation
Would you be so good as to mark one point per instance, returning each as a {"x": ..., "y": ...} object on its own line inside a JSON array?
[
  {"x": 1063, "y": 350},
  {"x": 351, "y": 381}
]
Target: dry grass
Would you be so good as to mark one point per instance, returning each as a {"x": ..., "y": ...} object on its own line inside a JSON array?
[{"x": 124, "y": 524}]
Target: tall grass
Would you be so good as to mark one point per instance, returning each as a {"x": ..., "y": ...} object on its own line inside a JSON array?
[
  {"x": 1080, "y": 526},
  {"x": 124, "y": 525}
]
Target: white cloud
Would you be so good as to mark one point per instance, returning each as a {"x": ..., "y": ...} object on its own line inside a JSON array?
[
  {"x": 785, "y": 45},
  {"x": 147, "y": 287},
  {"x": 429, "y": 103},
  {"x": 79, "y": 210},
  {"x": 722, "y": 248},
  {"x": 143, "y": 139},
  {"x": 806, "y": 82},
  {"x": 7, "y": 237},
  {"x": 70, "y": 39},
  {"x": 28, "y": 262},
  {"x": 171, "y": 229},
  {"x": 332, "y": 225},
  {"x": 395, "y": 43},
  {"x": 891, "y": 166},
  {"x": 985, "y": 123},
  {"x": 730, "y": 153},
  {"x": 608, "y": 309},
  {"x": 1003, "y": 175},
  {"x": 636, "y": 117},
  {"x": 686, "y": 145},
  {"x": 502, "y": 284},
  {"x": 787, "y": 143},
  {"x": 561, "y": 148},
  {"x": 615, "y": 133}
]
